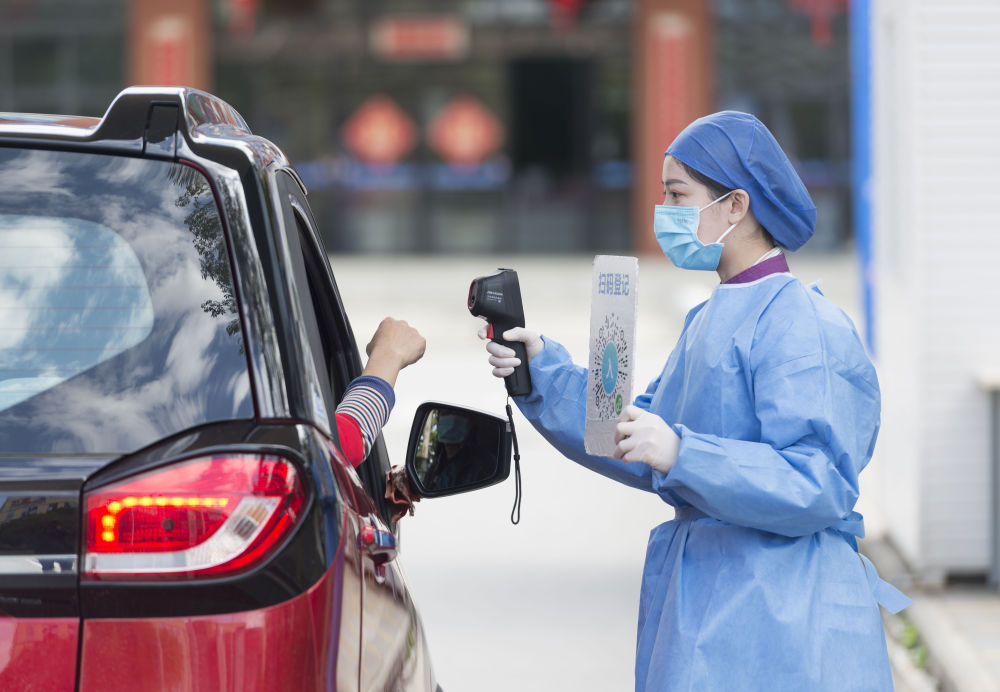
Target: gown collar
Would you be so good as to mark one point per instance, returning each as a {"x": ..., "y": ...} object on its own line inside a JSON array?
[{"x": 774, "y": 265}]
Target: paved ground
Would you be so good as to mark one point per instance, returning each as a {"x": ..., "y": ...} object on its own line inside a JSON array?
[
  {"x": 959, "y": 625},
  {"x": 551, "y": 603}
]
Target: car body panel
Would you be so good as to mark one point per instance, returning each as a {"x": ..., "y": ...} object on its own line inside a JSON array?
[
  {"x": 289, "y": 646},
  {"x": 38, "y": 653},
  {"x": 393, "y": 649}
]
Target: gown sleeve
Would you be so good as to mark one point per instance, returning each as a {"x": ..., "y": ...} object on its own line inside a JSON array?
[
  {"x": 557, "y": 408},
  {"x": 819, "y": 417}
]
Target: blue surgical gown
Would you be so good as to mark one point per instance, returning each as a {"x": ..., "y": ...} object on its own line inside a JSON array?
[{"x": 756, "y": 583}]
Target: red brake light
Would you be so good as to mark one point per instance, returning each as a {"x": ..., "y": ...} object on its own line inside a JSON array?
[{"x": 202, "y": 517}]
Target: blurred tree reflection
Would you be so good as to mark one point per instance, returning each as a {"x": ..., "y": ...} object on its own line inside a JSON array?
[{"x": 203, "y": 221}]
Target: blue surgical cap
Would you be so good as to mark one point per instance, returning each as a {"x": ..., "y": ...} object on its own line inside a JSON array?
[{"x": 738, "y": 151}]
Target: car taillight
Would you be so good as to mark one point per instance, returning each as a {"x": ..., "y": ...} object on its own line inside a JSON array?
[{"x": 205, "y": 517}]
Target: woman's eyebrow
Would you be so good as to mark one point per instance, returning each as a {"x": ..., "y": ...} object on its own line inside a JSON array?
[{"x": 674, "y": 181}]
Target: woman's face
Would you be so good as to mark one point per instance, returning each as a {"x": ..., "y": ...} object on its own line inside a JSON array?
[{"x": 680, "y": 189}]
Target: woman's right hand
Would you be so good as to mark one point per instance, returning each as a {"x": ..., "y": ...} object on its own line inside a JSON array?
[{"x": 502, "y": 358}]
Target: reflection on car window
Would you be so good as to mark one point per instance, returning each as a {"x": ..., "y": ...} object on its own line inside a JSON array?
[
  {"x": 118, "y": 319},
  {"x": 202, "y": 219},
  {"x": 72, "y": 295}
]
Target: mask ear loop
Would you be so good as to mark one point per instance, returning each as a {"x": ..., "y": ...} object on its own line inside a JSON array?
[
  {"x": 517, "y": 469},
  {"x": 726, "y": 233},
  {"x": 714, "y": 201}
]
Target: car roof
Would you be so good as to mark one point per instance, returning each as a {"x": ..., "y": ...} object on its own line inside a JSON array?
[
  {"x": 202, "y": 118},
  {"x": 67, "y": 121}
]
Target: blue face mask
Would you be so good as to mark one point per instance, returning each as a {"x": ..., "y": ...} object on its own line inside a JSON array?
[{"x": 676, "y": 230}]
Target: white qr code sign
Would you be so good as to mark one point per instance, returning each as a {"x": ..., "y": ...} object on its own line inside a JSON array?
[{"x": 612, "y": 349}]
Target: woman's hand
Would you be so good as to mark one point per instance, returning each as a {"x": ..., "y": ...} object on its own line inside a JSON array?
[
  {"x": 394, "y": 346},
  {"x": 502, "y": 358},
  {"x": 645, "y": 437}
]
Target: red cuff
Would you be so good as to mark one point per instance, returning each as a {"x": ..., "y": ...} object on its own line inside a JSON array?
[{"x": 352, "y": 445}]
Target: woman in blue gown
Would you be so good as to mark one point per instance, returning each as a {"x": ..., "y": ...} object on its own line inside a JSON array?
[{"x": 764, "y": 414}]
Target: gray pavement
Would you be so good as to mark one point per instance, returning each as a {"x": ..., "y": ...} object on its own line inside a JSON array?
[
  {"x": 552, "y": 603},
  {"x": 959, "y": 626}
]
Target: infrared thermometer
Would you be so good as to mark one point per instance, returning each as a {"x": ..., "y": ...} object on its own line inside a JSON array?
[{"x": 497, "y": 299}]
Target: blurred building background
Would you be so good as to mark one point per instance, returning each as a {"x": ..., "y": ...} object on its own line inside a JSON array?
[{"x": 524, "y": 126}]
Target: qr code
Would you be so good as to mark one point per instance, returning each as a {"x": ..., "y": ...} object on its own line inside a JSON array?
[{"x": 609, "y": 369}]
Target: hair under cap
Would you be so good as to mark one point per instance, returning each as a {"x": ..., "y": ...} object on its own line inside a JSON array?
[{"x": 738, "y": 151}]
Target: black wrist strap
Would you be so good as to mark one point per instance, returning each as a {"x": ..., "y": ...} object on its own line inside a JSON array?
[{"x": 517, "y": 469}]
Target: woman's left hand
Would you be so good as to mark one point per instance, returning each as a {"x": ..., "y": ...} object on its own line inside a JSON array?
[{"x": 644, "y": 436}]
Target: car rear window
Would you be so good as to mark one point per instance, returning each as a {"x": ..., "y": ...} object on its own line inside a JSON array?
[
  {"x": 72, "y": 295},
  {"x": 118, "y": 319}
]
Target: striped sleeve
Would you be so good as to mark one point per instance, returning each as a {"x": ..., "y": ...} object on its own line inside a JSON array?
[{"x": 368, "y": 400}]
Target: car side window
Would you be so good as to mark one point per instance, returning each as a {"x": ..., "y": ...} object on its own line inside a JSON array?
[
  {"x": 322, "y": 391},
  {"x": 336, "y": 364},
  {"x": 339, "y": 353}
]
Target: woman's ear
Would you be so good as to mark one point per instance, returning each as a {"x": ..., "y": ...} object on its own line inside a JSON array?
[{"x": 739, "y": 205}]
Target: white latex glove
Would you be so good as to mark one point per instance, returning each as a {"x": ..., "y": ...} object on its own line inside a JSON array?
[
  {"x": 502, "y": 358},
  {"x": 645, "y": 437}
]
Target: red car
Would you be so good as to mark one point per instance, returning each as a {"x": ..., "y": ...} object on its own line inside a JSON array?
[{"x": 175, "y": 513}]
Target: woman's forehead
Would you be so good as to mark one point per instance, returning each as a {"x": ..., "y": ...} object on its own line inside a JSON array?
[{"x": 673, "y": 170}]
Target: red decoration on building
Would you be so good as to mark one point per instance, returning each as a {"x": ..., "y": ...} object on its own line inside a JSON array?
[
  {"x": 465, "y": 132},
  {"x": 563, "y": 13},
  {"x": 420, "y": 38},
  {"x": 379, "y": 132},
  {"x": 169, "y": 44},
  {"x": 821, "y": 14},
  {"x": 242, "y": 17}
]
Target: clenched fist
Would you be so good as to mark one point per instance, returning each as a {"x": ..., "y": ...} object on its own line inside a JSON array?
[{"x": 395, "y": 345}]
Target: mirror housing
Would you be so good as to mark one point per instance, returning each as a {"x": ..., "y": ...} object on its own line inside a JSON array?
[{"x": 454, "y": 449}]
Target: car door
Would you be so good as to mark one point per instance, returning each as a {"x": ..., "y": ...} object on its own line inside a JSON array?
[
  {"x": 392, "y": 648},
  {"x": 325, "y": 378}
]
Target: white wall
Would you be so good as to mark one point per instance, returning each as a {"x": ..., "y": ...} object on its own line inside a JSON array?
[{"x": 936, "y": 135}]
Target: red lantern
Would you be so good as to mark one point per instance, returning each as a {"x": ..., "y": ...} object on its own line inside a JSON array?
[
  {"x": 379, "y": 132},
  {"x": 465, "y": 132}
]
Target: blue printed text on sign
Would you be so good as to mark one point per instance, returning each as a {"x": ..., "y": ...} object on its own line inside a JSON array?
[{"x": 613, "y": 284}]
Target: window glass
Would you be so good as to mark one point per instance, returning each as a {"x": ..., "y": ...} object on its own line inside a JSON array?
[
  {"x": 72, "y": 295},
  {"x": 118, "y": 318},
  {"x": 319, "y": 393},
  {"x": 335, "y": 361}
]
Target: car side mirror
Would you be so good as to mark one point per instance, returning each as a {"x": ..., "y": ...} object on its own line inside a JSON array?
[{"x": 454, "y": 449}]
